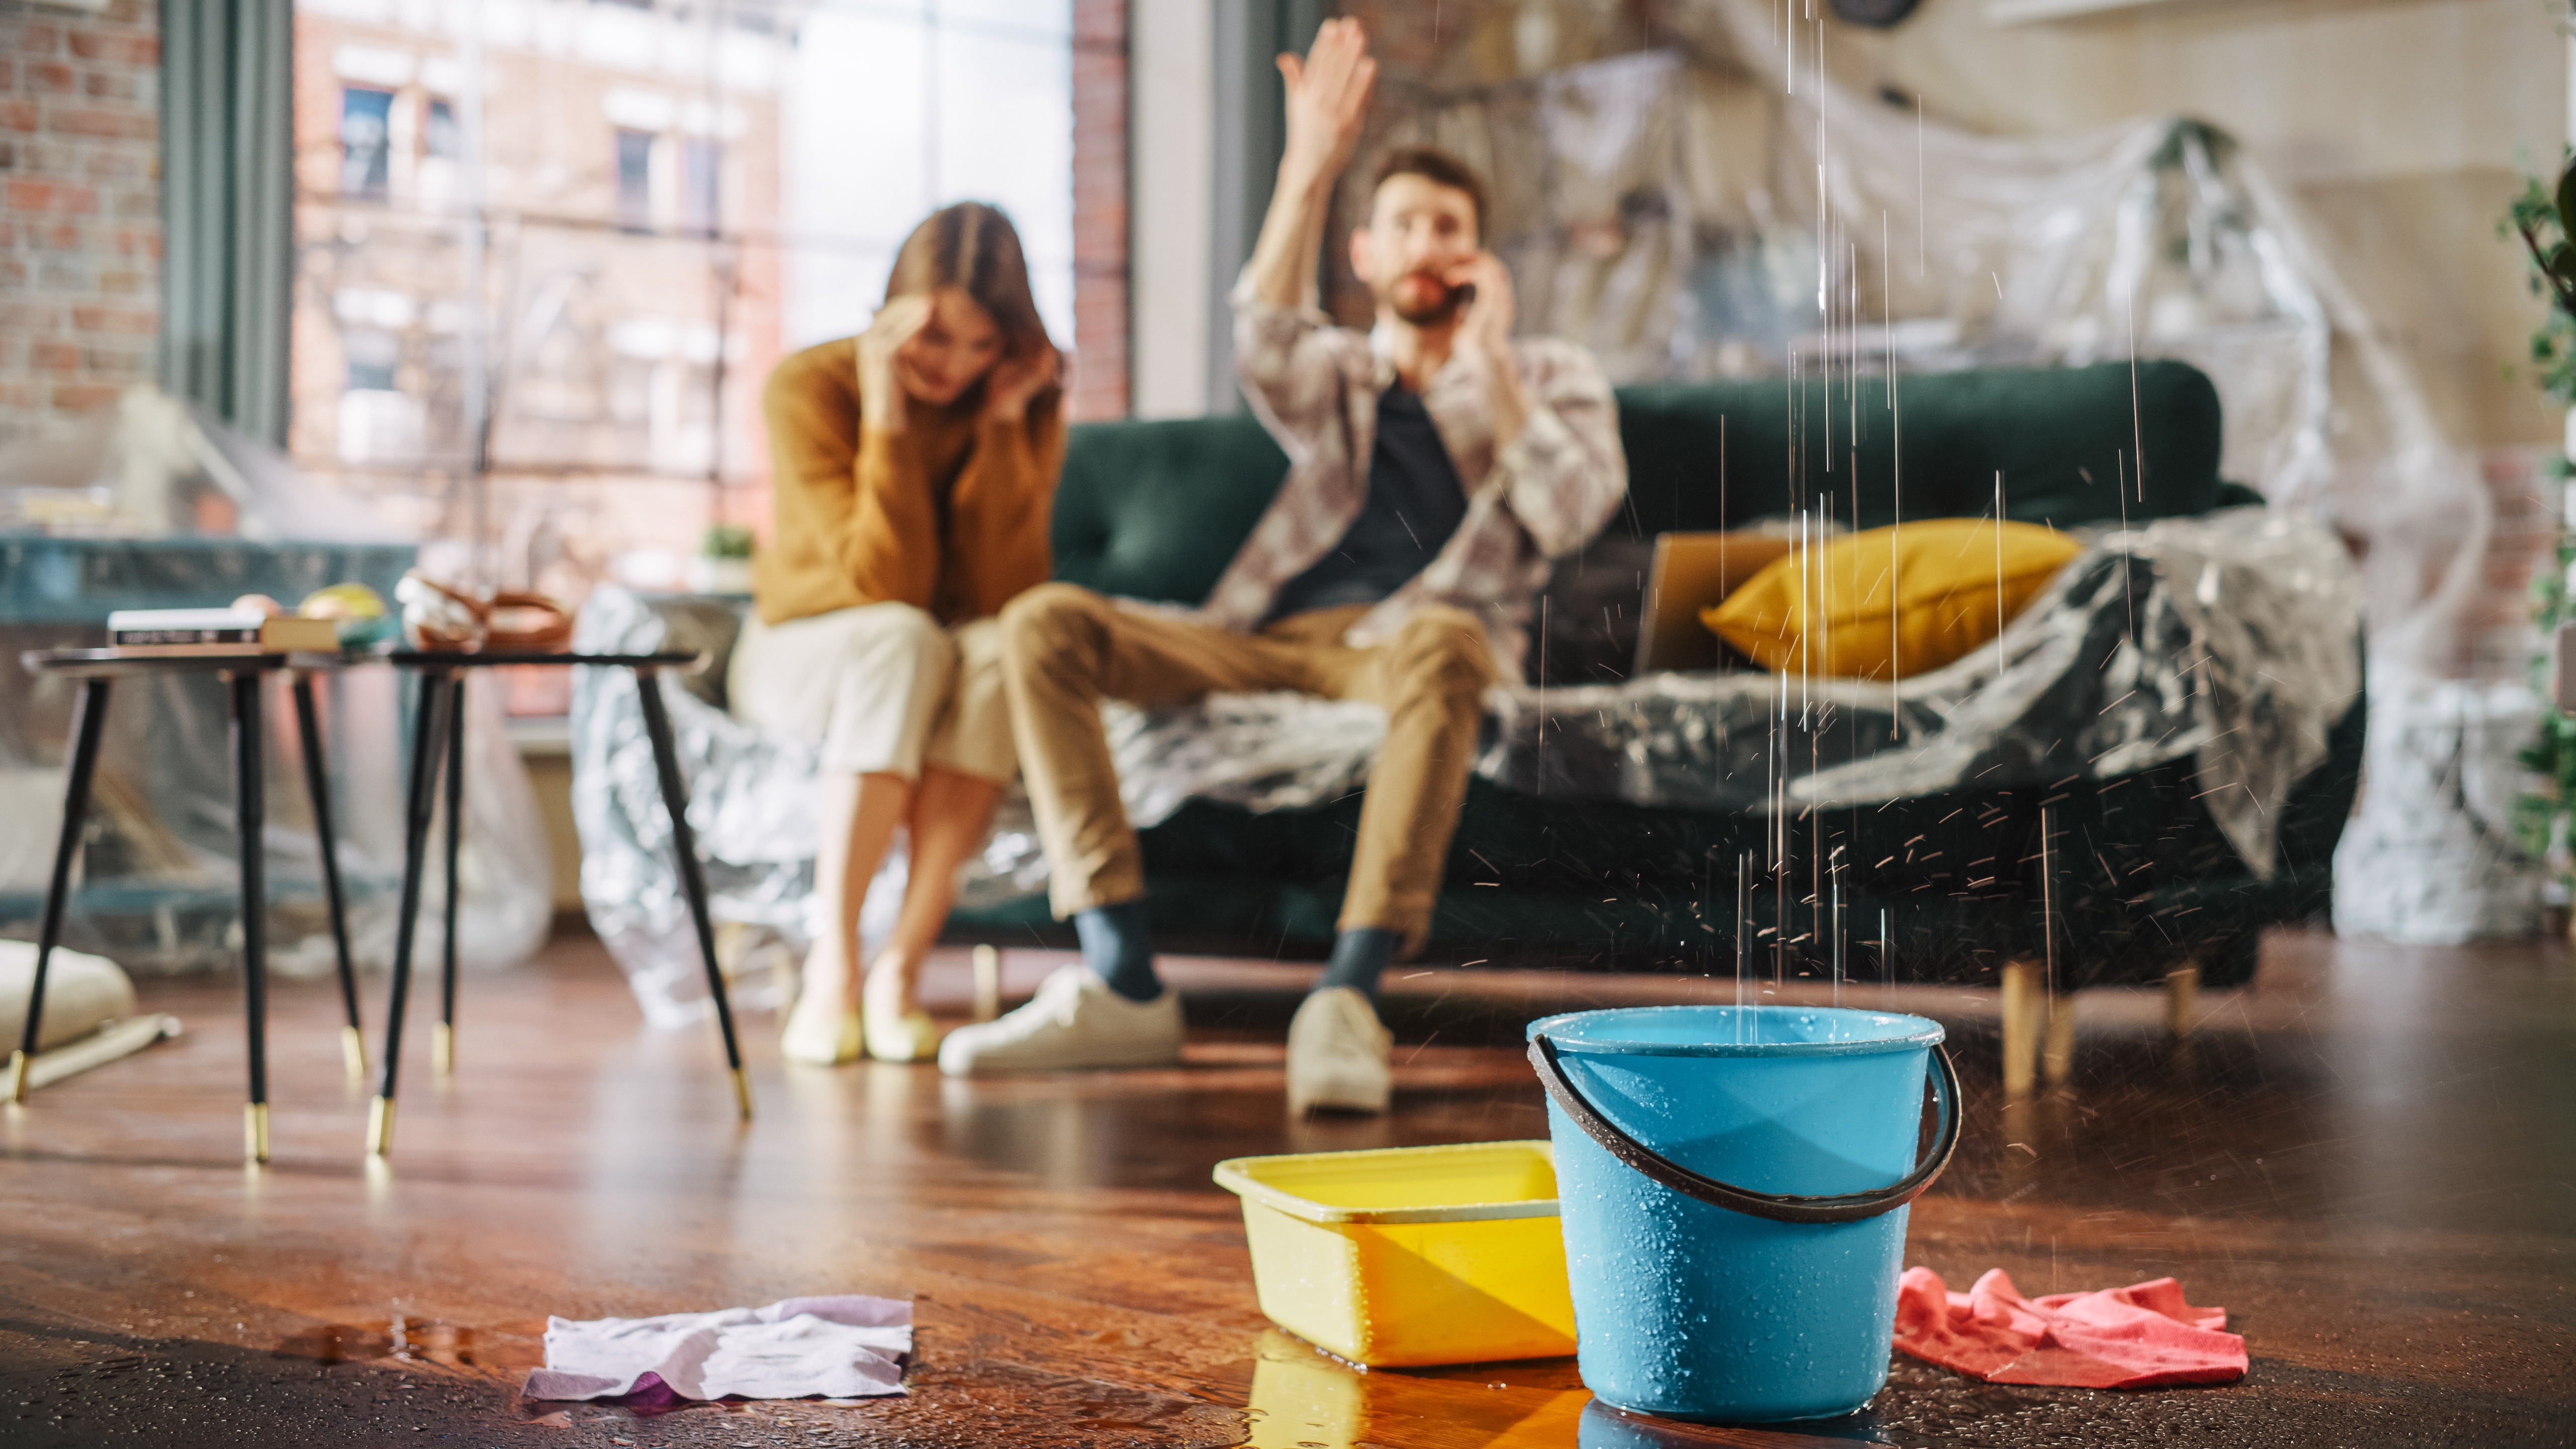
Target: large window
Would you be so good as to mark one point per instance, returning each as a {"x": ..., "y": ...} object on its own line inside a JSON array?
[{"x": 549, "y": 250}]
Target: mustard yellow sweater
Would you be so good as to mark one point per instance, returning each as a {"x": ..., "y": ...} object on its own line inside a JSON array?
[{"x": 856, "y": 508}]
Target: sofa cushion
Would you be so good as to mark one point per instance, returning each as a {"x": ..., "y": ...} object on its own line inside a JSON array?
[
  {"x": 1156, "y": 510},
  {"x": 1828, "y": 610},
  {"x": 2062, "y": 437}
]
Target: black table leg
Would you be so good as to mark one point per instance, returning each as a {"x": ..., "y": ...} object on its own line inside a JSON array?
[
  {"x": 317, "y": 788},
  {"x": 250, "y": 819},
  {"x": 442, "y": 1041},
  {"x": 428, "y": 744},
  {"x": 88, "y": 720},
  {"x": 693, "y": 884}
]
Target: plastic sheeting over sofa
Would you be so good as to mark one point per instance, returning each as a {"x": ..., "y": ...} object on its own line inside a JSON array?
[{"x": 2230, "y": 641}]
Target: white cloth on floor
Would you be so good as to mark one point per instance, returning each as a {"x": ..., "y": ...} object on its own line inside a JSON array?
[
  {"x": 843, "y": 1347},
  {"x": 82, "y": 993}
]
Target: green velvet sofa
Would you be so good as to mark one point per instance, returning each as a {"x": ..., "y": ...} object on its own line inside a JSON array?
[{"x": 1154, "y": 510}]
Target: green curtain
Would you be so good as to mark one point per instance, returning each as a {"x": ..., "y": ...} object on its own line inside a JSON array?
[{"x": 227, "y": 197}]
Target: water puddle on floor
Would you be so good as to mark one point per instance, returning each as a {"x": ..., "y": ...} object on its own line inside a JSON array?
[{"x": 413, "y": 1340}]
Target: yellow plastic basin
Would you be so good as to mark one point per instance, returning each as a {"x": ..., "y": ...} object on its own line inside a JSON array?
[{"x": 1410, "y": 1255}]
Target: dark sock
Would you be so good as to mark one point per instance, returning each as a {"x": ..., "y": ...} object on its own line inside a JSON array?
[
  {"x": 1119, "y": 949},
  {"x": 1359, "y": 954}
]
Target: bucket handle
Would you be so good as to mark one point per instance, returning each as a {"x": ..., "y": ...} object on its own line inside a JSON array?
[{"x": 1849, "y": 1207}]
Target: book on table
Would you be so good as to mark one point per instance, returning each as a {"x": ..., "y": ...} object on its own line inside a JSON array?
[{"x": 219, "y": 631}]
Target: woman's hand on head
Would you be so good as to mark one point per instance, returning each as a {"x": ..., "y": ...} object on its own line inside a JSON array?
[
  {"x": 1013, "y": 381},
  {"x": 880, "y": 395}
]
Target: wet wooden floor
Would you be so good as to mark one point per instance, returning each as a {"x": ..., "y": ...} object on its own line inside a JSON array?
[{"x": 2369, "y": 1159}]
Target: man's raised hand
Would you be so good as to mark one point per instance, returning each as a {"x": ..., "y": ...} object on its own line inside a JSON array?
[{"x": 1328, "y": 96}]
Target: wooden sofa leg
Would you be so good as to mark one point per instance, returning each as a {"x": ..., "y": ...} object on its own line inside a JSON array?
[
  {"x": 2025, "y": 1007},
  {"x": 988, "y": 983},
  {"x": 2182, "y": 1001},
  {"x": 2057, "y": 1059}
]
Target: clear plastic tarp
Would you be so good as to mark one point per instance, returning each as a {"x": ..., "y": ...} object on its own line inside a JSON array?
[
  {"x": 2231, "y": 640},
  {"x": 155, "y": 465},
  {"x": 1725, "y": 208},
  {"x": 154, "y": 504},
  {"x": 2433, "y": 860}
]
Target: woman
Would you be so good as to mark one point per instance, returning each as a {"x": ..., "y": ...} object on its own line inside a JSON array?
[{"x": 915, "y": 467}]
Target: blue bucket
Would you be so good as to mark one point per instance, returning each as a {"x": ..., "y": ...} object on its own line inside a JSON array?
[{"x": 1733, "y": 1183}]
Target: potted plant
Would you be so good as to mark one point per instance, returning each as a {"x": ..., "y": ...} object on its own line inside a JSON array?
[
  {"x": 723, "y": 564},
  {"x": 2546, "y": 220}
]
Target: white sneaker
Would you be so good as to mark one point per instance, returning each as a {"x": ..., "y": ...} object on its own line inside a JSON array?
[
  {"x": 1076, "y": 1022},
  {"x": 1338, "y": 1054}
]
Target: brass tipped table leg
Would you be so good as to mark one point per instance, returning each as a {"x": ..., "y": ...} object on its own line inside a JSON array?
[
  {"x": 438, "y": 737},
  {"x": 693, "y": 883},
  {"x": 87, "y": 725},
  {"x": 250, "y": 818},
  {"x": 430, "y": 720},
  {"x": 442, "y": 1040},
  {"x": 380, "y": 1126},
  {"x": 243, "y": 674},
  {"x": 317, "y": 789}
]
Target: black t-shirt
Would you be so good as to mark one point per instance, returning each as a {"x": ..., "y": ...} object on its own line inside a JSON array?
[{"x": 1415, "y": 502}]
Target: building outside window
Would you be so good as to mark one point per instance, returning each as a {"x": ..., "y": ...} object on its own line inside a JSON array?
[
  {"x": 438, "y": 136},
  {"x": 635, "y": 180},
  {"x": 701, "y": 167},
  {"x": 366, "y": 142}
]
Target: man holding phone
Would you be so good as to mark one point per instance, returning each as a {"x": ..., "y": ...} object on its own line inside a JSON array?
[{"x": 1436, "y": 466}]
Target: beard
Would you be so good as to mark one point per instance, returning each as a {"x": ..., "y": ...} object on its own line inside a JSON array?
[{"x": 1422, "y": 299}]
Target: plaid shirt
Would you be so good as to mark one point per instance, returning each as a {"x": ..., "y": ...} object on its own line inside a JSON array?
[{"x": 1545, "y": 495}]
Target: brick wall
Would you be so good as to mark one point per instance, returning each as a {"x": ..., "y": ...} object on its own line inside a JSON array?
[
  {"x": 1099, "y": 209},
  {"x": 80, "y": 207},
  {"x": 2500, "y": 638}
]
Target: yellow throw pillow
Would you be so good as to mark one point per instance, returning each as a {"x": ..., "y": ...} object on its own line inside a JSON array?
[{"x": 1953, "y": 583}]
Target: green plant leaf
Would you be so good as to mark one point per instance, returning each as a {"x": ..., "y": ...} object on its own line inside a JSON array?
[{"x": 2567, "y": 200}]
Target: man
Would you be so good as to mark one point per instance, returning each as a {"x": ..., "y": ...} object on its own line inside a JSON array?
[{"x": 1436, "y": 467}]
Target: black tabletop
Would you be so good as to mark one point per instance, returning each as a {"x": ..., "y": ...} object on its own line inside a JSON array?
[{"x": 120, "y": 663}]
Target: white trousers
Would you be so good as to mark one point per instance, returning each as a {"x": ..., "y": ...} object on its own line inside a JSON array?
[{"x": 883, "y": 688}]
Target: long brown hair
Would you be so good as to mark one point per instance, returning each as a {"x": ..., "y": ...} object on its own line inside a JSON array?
[{"x": 973, "y": 247}]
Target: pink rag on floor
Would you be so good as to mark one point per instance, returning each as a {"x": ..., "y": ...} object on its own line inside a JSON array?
[{"x": 2140, "y": 1337}]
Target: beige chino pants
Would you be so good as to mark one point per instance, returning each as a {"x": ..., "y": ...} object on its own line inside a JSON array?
[{"x": 1064, "y": 649}]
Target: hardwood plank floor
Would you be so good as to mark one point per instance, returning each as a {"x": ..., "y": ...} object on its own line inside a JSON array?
[{"x": 2369, "y": 1158}]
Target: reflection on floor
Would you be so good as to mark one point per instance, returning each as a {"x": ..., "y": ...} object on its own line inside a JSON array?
[{"x": 2367, "y": 1159}]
